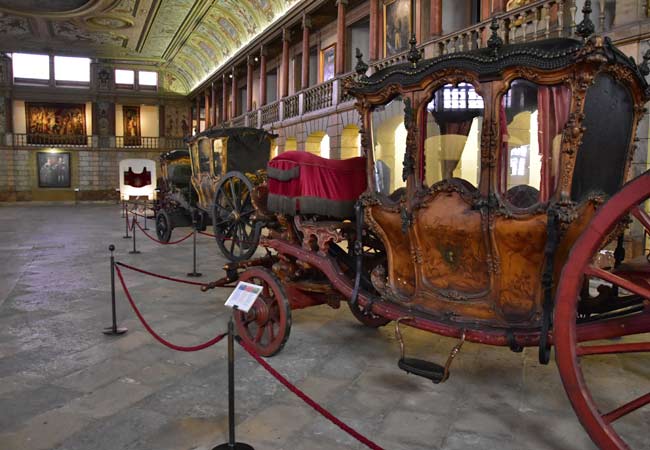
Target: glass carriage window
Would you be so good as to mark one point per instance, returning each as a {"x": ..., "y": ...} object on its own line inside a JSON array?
[
  {"x": 219, "y": 155},
  {"x": 532, "y": 118},
  {"x": 452, "y": 145},
  {"x": 389, "y": 145},
  {"x": 194, "y": 156},
  {"x": 204, "y": 155}
]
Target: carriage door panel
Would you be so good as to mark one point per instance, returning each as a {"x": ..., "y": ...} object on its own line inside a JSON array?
[
  {"x": 389, "y": 146},
  {"x": 601, "y": 159},
  {"x": 451, "y": 235}
]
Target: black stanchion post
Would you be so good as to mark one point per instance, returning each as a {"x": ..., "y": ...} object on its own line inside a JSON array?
[
  {"x": 232, "y": 444},
  {"x": 145, "y": 214},
  {"x": 135, "y": 250},
  {"x": 194, "y": 273},
  {"x": 123, "y": 208},
  {"x": 113, "y": 330},
  {"x": 126, "y": 221}
]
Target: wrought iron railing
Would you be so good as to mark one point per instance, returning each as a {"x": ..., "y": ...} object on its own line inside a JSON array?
[
  {"x": 28, "y": 139},
  {"x": 318, "y": 97},
  {"x": 270, "y": 113},
  {"x": 290, "y": 108}
]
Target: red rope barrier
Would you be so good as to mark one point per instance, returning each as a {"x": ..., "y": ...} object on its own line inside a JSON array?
[
  {"x": 164, "y": 277},
  {"x": 352, "y": 432},
  {"x": 161, "y": 242},
  {"x": 205, "y": 233},
  {"x": 159, "y": 338}
]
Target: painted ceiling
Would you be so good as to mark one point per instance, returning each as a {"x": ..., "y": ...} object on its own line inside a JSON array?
[{"x": 186, "y": 39}]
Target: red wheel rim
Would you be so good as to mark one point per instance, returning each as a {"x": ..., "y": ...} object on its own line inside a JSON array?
[
  {"x": 266, "y": 326},
  {"x": 598, "y": 425}
]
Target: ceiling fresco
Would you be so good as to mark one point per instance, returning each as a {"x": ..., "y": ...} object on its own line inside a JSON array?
[{"x": 186, "y": 39}]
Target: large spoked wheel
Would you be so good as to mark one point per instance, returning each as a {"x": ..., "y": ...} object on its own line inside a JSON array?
[
  {"x": 163, "y": 226},
  {"x": 266, "y": 326},
  {"x": 236, "y": 234},
  {"x": 590, "y": 300}
]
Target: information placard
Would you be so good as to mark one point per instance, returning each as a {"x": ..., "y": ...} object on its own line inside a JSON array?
[{"x": 243, "y": 296}]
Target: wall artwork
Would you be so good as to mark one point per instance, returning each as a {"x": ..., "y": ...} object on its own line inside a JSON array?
[
  {"x": 397, "y": 14},
  {"x": 177, "y": 121},
  {"x": 131, "y": 117},
  {"x": 53, "y": 170},
  {"x": 56, "y": 123},
  {"x": 327, "y": 63}
]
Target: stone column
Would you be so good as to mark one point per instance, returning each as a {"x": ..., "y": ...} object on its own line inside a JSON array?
[
  {"x": 208, "y": 112},
  {"x": 284, "y": 69},
  {"x": 340, "y": 36},
  {"x": 249, "y": 83},
  {"x": 198, "y": 113},
  {"x": 435, "y": 18},
  {"x": 262, "y": 76},
  {"x": 224, "y": 99},
  {"x": 233, "y": 92},
  {"x": 213, "y": 107},
  {"x": 306, "y": 26},
  {"x": 374, "y": 31}
]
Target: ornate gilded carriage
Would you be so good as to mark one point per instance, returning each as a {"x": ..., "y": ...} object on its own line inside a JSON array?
[{"x": 496, "y": 211}]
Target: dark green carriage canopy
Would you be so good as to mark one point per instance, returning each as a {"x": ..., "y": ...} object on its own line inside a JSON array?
[{"x": 248, "y": 148}]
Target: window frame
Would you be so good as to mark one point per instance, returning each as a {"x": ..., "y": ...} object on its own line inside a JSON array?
[{"x": 29, "y": 80}]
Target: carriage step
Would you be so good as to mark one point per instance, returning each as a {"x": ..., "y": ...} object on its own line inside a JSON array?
[
  {"x": 420, "y": 367},
  {"x": 426, "y": 369}
]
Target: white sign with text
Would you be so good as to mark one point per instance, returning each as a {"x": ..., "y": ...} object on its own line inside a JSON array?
[{"x": 243, "y": 296}]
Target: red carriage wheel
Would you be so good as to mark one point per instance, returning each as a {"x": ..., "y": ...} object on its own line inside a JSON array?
[
  {"x": 266, "y": 326},
  {"x": 626, "y": 290}
]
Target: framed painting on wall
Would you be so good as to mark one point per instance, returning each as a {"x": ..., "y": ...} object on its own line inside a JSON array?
[
  {"x": 397, "y": 26},
  {"x": 53, "y": 170},
  {"x": 327, "y": 63},
  {"x": 56, "y": 123},
  {"x": 131, "y": 119}
]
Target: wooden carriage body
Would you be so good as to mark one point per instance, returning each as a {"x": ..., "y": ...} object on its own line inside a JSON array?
[
  {"x": 473, "y": 253},
  {"x": 218, "y": 151}
]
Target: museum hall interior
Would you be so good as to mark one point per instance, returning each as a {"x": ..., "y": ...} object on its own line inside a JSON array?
[{"x": 324, "y": 224}]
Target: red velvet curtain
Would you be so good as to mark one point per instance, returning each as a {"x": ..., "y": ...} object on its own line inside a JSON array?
[{"x": 553, "y": 103}]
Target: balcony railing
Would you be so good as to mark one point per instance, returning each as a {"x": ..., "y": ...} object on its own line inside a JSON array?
[
  {"x": 127, "y": 142},
  {"x": 318, "y": 97},
  {"x": 238, "y": 121},
  {"x": 270, "y": 113},
  {"x": 22, "y": 140},
  {"x": 537, "y": 20}
]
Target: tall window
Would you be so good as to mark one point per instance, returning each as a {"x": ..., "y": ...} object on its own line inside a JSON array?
[
  {"x": 149, "y": 79},
  {"x": 72, "y": 69},
  {"x": 32, "y": 67},
  {"x": 124, "y": 77}
]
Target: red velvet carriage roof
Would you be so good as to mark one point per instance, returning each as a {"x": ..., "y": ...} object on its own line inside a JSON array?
[{"x": 303, "y": 183}]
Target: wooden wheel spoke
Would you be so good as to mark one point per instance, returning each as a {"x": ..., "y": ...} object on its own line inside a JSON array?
[
  {"x": 642, "y": 217},
  {"x": 259, "y": 334},
  {"x": 271, "y": 331},
  {"x": 627, "y": 408},
  {"x": 618, "y": 281}
]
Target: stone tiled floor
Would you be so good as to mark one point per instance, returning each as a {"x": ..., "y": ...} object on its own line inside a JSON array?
[{"x": 64, "y": 385}]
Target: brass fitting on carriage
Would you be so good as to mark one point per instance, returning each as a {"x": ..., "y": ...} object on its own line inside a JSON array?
[{"x": 426, "y": 369}]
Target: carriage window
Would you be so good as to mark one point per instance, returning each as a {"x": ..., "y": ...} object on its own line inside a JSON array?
[
  {"x": 531, "y": 119},
  {"x": 194, "y": 156},
  {"x": 204, "y": 155},
  {"x": 389, "y": 146},
  {"x": 219, "y": 155},
  {"x": 452, "y": 143}
]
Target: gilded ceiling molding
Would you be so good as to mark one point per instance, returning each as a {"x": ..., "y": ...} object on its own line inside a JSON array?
[{"x": 49, "y": 9}]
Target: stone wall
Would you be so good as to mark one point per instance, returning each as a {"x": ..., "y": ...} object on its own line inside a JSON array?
[{"x": 95, "y": 172}]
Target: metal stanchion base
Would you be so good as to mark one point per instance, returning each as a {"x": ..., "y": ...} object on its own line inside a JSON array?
[
  {"x": 134, "y": 252},
  {"x": 119, "y": 330},
  {"x": 237, "y": 446},
  {"x": 126, "y": 237},
  {"x": 195, "y": 274}
]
